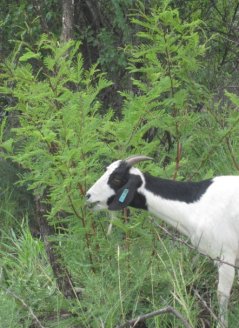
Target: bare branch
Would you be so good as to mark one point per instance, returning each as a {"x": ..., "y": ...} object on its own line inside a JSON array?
[
  {"x": 167, "y": 309},
  {"x": 178, "y": 159},
  {"x": 207, "y": 307}
]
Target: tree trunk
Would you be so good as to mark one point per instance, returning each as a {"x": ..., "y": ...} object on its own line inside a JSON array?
[
  {"x": 61, "y": 273},
  {"x": 67, "y": 20}
]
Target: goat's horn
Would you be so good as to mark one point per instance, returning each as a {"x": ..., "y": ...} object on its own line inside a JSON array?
[{"x": 137, "y": 158}]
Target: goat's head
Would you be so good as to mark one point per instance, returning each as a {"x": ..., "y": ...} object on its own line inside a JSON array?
[{"x": 116, "y": 188}]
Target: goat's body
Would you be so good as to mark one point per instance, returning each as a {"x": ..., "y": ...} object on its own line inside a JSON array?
[
  {"x": 211, "y": 222},
  {"x": 217, "y": 217},
  {"x": 207, "y": 212}
]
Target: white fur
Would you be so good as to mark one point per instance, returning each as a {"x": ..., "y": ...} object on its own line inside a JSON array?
[
  {"x": 100, "y": 192},
  {"x": 211, "y": 223}
]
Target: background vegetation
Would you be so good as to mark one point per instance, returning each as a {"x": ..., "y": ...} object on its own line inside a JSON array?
[{"x": 82, "y": 84}]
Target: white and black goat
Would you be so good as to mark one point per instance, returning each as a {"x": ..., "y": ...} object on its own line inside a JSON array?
[{"x": 206, "y": 211}]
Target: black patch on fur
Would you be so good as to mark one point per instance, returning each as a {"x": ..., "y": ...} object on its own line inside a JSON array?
[
  {"x": 119, "y": 176},
  {"x": 125, "y": 195},
  {"x": 188, "y": 192},
  {"x": 118, "y": 179},
  {"x": 139, "y": 201}
]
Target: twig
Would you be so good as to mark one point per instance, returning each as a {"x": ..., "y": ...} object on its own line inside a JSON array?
[
  {"x": 178, "y": 159},
  {"x": 119, "y": 282},
  {"x": 26, "y": 306},
  {"x": 204, "y": 303},
  {"x": 167, "y": 309},
  {"x": 184, "y": 242},
  {"x": 173, "y": 237}
]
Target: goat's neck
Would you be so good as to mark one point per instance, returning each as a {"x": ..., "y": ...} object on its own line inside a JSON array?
[
  {"x": 165, "y": 204},
  {"x": 173, "y": 212}
]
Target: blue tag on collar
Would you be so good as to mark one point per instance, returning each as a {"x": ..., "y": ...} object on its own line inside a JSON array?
[{"x": 123, "y": 195}]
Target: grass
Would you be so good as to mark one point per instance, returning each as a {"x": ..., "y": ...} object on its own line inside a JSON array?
[{"x": 136, "y": 270}]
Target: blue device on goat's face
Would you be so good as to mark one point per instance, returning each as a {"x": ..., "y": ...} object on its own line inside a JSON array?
[{"x": 123, "y": 195}]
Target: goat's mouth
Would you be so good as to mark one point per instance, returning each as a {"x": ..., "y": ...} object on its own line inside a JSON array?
[{"x": 94, "y": 205}]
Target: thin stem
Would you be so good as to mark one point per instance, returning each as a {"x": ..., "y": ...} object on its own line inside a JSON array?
[
  {"x": 178, "y": 159},
  {"x": 119, "y": 283}
]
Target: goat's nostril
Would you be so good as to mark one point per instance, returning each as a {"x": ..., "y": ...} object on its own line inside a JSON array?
[{"x": 87, "y": 196}]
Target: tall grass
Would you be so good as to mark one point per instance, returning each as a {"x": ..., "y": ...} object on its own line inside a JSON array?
[
  {"x": 136, "y": 271},
  {"x": 27, "y": 284}
]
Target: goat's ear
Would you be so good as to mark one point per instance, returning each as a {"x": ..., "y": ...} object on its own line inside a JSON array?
[{"x": 125, "y": 195}]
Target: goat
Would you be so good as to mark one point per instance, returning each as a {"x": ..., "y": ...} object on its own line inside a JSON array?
[{"x": 206, "y": 211}]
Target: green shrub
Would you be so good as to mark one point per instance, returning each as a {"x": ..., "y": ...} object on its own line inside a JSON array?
[{"x": 62, "y": 139}]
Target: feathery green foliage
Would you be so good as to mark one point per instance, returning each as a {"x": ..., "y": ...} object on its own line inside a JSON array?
[{"x": 62, "y": 137}]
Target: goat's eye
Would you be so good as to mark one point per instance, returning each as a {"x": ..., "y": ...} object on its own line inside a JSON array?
[{"x": 117, "y": 181}]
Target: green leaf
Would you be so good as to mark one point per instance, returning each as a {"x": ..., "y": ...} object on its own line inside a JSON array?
[
  {"x": 8, "y": 145},
  {"x": 233, "y": 97},
  {"x": 29, "y": 55}
]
